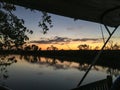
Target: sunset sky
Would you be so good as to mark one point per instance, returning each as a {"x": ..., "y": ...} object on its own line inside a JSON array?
[{"x": 66, "y": 33}]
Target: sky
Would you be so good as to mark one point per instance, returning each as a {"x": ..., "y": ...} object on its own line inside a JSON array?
[{"x": 66, "y": 33}]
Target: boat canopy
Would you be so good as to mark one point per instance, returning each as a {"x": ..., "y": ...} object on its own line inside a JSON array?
[{"x": 100, "y": 11}]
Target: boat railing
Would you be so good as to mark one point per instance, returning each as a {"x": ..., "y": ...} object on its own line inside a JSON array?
[{"x": 104, "y": 84}]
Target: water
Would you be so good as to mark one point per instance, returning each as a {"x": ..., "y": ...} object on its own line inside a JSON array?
[{"x": 41, "y": 73}]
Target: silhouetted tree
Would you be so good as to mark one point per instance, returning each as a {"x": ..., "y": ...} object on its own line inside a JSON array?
[
  {"x": 12, "y": 29},
  {"x": 96, "y": 48},
  {"x": 83, "y": 47},
  {"x": 31, "y": 48},
  {"x": 112, "y": 46},
  {"x": 27, "y": 48},
  {"x": 34, "y": 48},
  {"x": 40, "y": 49},
  {"x": 48, "y": 48},
  {"x": 116, "y": 47},
  {"x": 52, "y": 48},
  {"x": 13, "y": 32}
]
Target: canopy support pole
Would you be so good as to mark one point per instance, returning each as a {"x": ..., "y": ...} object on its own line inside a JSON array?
[
  {"x": 99, "y": 53},
  {"x": 102, "y": 33}
]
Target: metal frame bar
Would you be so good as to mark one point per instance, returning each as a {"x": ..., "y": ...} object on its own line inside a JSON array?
[
  {"x": 98, "y": 55},
  {"x": 100, "y": 52}
]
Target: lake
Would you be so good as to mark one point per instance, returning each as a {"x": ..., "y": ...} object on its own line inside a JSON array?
[{"x": 41, "y": 73}]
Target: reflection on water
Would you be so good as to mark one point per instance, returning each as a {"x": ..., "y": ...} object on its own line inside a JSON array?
[
  {"x": 41, "y": 73},
  {"x": 5, "y": 62}
]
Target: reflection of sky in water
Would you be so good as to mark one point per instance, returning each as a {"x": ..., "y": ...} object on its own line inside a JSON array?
[{"x": 44, "y": 74}]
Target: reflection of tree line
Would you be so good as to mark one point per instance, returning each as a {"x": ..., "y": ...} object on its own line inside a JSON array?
[
  {"x": 65, "y": 64},
  {"x": 5, "y": 61}
]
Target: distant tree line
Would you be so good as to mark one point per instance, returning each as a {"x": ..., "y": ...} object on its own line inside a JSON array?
[
  {"x": 52, "y": 48},
  {"x": 23, "y": 48},
  {"x": 111, "y": 46}
]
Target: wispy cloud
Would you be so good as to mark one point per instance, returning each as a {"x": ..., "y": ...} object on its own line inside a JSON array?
[
  {"x": 86, "y": 39},
  {"x": 74, "y": 28},
  {"x": 54, "y": 40},
  {"x": 63, "y": 40}
]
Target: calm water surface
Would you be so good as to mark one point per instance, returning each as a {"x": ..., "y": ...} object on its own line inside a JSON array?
[{"x": 41, "y": 73}]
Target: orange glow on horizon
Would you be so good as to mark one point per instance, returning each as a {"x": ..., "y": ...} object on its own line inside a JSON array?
[{"x": 71, "y": 45}]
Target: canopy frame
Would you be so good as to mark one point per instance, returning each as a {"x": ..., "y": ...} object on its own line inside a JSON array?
[{"x": 104, "y": 45}]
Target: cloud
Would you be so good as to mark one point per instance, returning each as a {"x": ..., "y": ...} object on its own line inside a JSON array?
[
  {"x": 55, "y": 40},
  {"x": 63, "y": 40},
  {"x": 70, "y": 28},
  {"x": 74, "y": 28},
  {"x": 86, "y": 39},
  {"x": 41, "y": 42}
]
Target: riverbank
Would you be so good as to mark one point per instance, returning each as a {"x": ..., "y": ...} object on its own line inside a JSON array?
[
  {"x": 83, "y": 54},
  {"x": 109, "y": 58}
]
